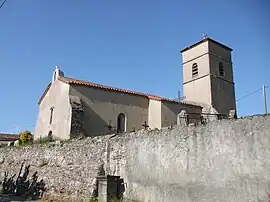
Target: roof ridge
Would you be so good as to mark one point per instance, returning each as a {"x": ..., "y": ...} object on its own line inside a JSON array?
[
  {"x": 207, "y": 38},
  {"x": 70, "y": 80}
]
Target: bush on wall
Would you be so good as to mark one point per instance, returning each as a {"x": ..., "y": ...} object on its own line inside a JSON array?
[{"x": 26, "y": 137}]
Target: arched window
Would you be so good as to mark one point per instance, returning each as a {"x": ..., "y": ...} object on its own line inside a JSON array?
[
  {"x": 195, "y": 69},
  {"x": 50, "y": 136},
  {"x": 221, "y": 69},
  {"x": 121, "y": 123}
]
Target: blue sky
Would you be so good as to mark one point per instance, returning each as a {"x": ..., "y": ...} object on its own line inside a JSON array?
[{"x": 128, "y": 44}]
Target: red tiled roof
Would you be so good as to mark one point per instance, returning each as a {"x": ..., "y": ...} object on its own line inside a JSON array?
[
  {"x": 8, "y": 137},
  {"x": 95, "y": 85},
  {"x": 69, "y": 80},
  {"x": 44, "y": 93}
]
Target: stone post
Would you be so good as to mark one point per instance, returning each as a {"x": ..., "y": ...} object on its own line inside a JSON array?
[
  {"x": 232, "y": 114},
  {"x": 102, "y": 188},
  {"x": 108, "y": 188}
]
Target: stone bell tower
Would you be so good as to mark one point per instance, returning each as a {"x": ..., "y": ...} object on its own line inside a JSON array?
[
  {"x": 57, "y": 72},
  {"x": 208, "y": 75}
]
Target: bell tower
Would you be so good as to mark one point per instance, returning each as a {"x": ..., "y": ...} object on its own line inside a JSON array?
[
  {"x": 57, "y": 72},
  {"x": 208, "y": 75}
]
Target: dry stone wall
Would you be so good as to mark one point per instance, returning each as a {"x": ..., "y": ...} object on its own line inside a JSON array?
[
  {"x": 69, "y": 170},
  {"x": 224, "y": 160}
]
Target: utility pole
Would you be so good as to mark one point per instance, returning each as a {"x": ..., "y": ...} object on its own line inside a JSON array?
[
  {"x": 3, "y": 3},
  {"x": 264, "y": 98}
]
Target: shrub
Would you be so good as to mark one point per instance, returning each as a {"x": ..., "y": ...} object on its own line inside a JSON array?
[{"x": 26, "y": 137}]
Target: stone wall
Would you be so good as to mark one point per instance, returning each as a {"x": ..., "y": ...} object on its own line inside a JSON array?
[
  {"x": 224, "y": 160},
  {"x": 77, "y": 118},
  {"x": 68, "y": 169}
]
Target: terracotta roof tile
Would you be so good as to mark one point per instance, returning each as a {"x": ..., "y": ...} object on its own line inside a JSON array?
[
  {"x": 8, "y": 137},
  {"x": 69, "y": 80},
  {"x": 95, "y": 85},
  {"x": 44, "y": 93}
]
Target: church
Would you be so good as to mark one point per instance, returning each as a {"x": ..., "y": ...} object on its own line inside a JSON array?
[{"x": 71, "y": 108}]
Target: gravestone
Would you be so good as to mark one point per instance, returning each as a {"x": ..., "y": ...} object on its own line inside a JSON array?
[
  {"x": 17, "y": 143},
  {"x": 182, "y": 118},
  {"x": 214, "y": 114},
  {"x": 145, "y": 125},
  {"x": 232, "y": 114},
  {"x": 209, "y": 114}
]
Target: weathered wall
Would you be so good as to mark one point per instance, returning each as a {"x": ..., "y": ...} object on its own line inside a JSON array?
[
  {"x": 225, "y": 160},
  {"x": 101, "y": 106},
  {"x": 217, "y": 50},
  {"x": 198, "y": 90},
  {"x": 228, "y": 161},
  {"x": 69, "y": 170},
  {"x": 223, "y": 92},
  {"x": 58, "y": 98},
  {"x": 195, "y": 52},
  {"x": 154, "y": 114},
  {"x": 77, "y": 117},
  {"x": 170, "y": 110}
]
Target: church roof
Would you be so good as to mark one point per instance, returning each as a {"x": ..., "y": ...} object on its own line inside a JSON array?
[
  {"x": 44, "y": 93},
  {"x": 8, "y": 137},
  {"x": 69, "y": 80},
  {"x": 204, "y": 40}
]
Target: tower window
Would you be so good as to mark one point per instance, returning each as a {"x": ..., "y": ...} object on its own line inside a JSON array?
[
  {"x": 195, "y": 69},
  {"x": 54, "y": 76},
  {"x": 221, "y": 69}
]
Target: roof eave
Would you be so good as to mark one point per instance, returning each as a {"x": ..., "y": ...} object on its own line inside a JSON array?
[
  {"x": 60, "y": 78},
  {"x": 181, "y": 102},
  {"x": 72, "y": 81},
  {"x": 44, "y": 93},
  {"x": 204, "y": 40}
]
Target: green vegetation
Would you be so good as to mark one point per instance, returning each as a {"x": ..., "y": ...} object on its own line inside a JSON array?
[
  {"x": 26, "y": 138},
  {"x": 113, "y": 200},
  {"x": 44, "y": 140}
]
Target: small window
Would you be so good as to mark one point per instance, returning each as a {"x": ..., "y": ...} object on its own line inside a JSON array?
[
  {"x": 194, "y": 69},
  {"x": 51, "y": 115},
  {"x": 221, "y": 69},
  {"x": 50, "y": 136},
  {"x": 121, "y": 123}
]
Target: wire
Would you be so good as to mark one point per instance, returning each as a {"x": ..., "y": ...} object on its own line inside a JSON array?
[
  {"x": 3, "y": 3},
  {"x": 248, "y": 94}
]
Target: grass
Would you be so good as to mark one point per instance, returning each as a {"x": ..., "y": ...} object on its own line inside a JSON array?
[
  {"x": 90, "y": 200},
  {"x": 113, "y": 200}
]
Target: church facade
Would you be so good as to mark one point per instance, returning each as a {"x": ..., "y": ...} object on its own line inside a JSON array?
[{"x": 70, "y": 107}]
